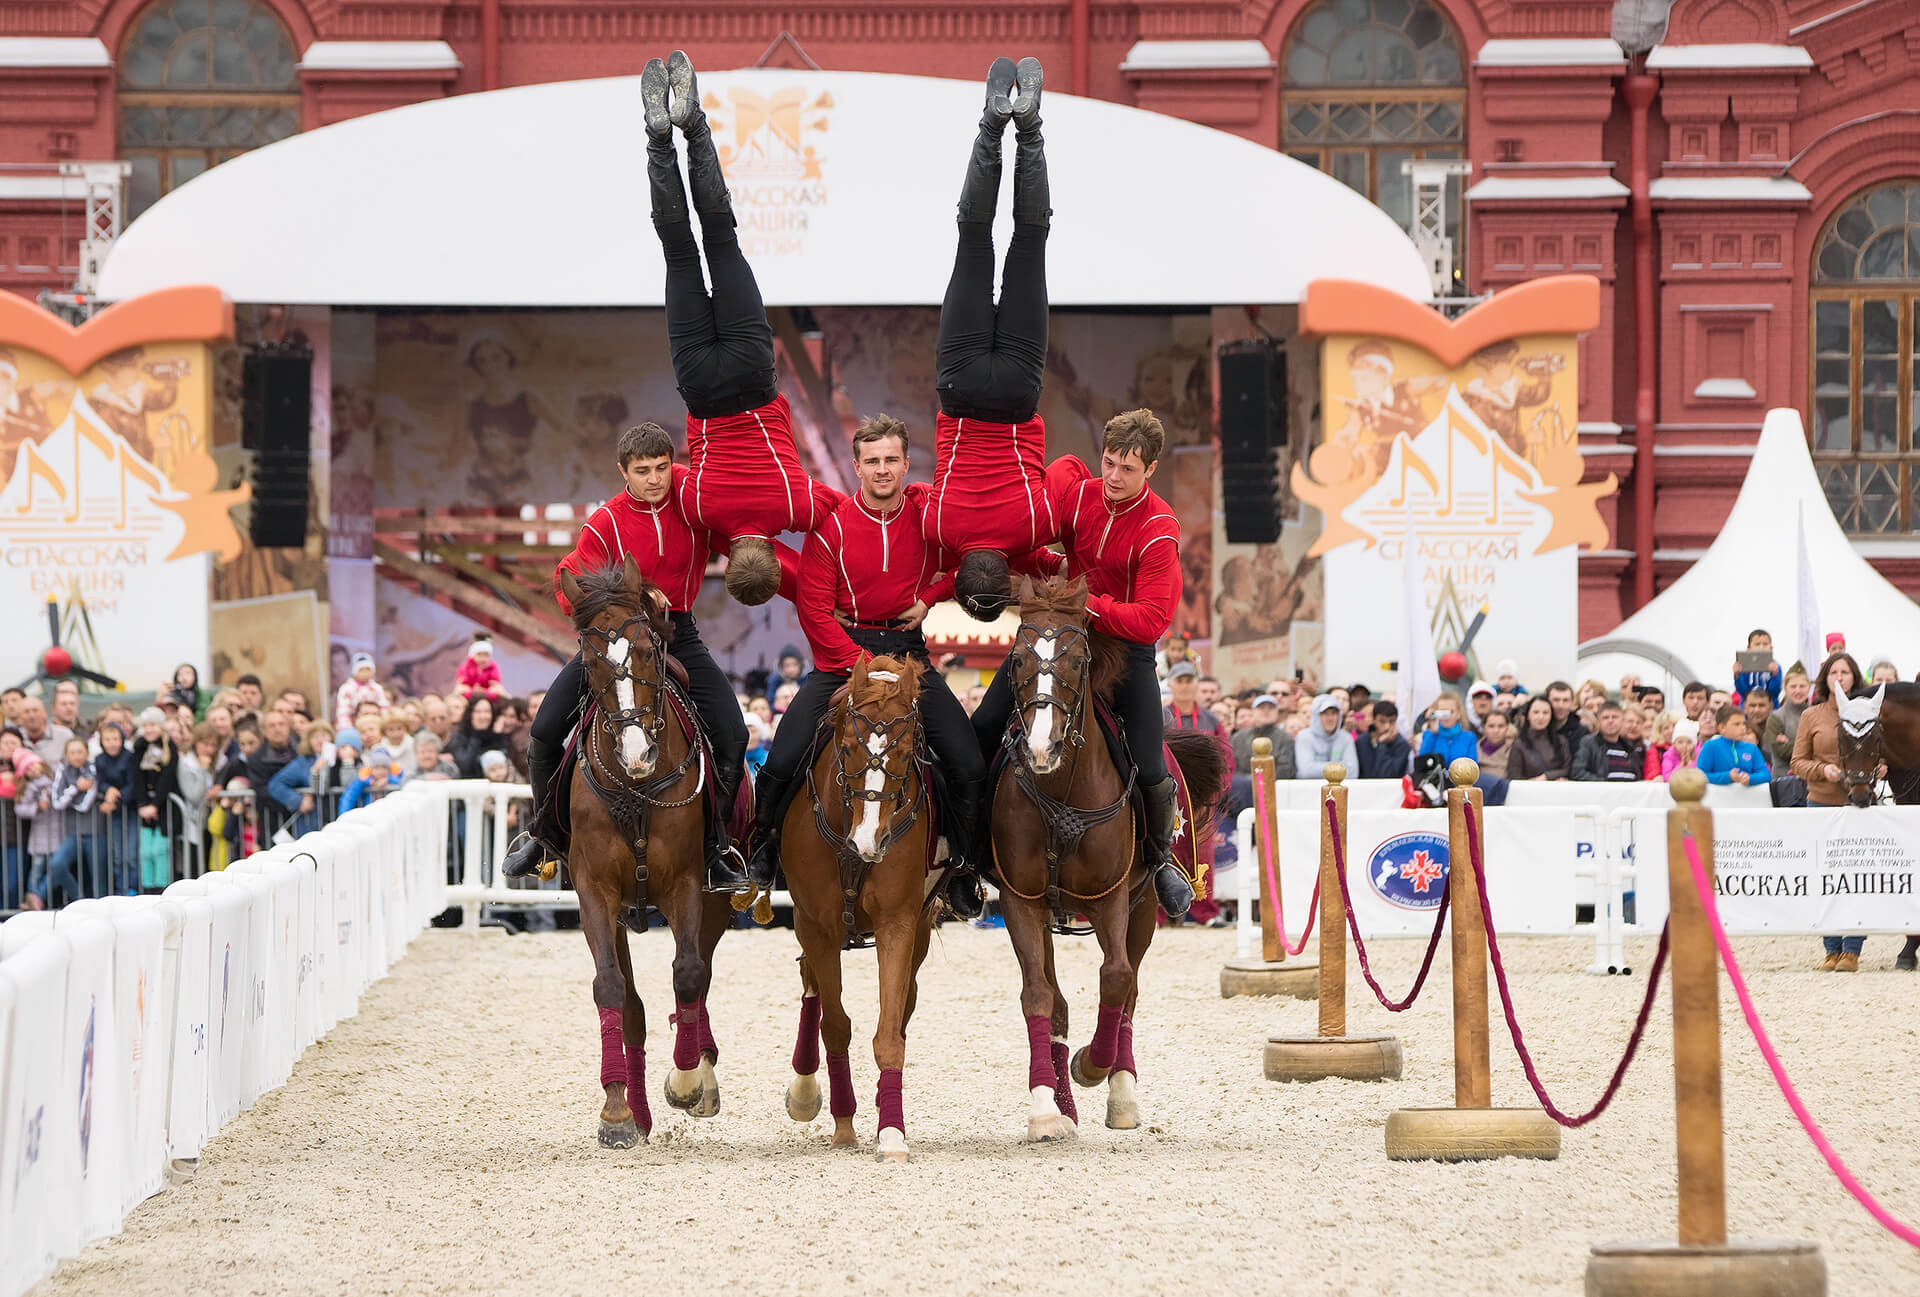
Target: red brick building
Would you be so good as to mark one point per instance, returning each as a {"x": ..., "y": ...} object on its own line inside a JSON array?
[{"x": 1747, "y": 189}]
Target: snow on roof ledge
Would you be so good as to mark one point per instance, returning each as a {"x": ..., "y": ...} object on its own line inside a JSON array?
[
  {"x": 1183, "y": 56},
  {"x": 53, "y": 52},
  {"x": 379, "y": 56},
  {"x": 1555, "y": 187},
  {"x": 1549, "y": 53},
  {"x": 1709, "y": 57},
  {"x": 1731, "y": 189}
]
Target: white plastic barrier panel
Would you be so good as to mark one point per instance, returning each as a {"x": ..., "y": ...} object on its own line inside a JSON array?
[
  {"x": 190, "y": 1065},
  {"x": 39, "y": 1126}
]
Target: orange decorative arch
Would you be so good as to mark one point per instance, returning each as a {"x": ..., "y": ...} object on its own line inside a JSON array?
[
  {"x": 1556, "y": 304},
  {"x": 192, "y": 313}
]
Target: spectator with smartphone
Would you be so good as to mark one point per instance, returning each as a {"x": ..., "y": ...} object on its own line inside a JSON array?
[{"x": 1756, "y": 669}]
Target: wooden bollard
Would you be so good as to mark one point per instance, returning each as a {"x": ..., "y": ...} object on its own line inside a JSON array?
[
  {"x": 1701, "y": 1261},
  {"x": 1271, "y": 974},
  {"x": 1471, "y": 1130},
  {"x": 1333, "y": 1052}
]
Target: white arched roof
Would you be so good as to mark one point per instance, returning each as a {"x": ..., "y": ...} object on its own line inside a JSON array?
[{"x": 845, "y": 183}]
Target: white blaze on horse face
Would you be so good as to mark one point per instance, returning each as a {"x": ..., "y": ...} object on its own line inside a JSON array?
[
  {"x": 636, "y": 749},
  {"x": 864, "y": 837},
  {"x": 1040, "y": 737}
]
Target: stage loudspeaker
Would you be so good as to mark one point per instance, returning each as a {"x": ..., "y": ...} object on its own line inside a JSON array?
[
  {"x": 1253, "y": 437},
  {"x": 276, "y": 417}
]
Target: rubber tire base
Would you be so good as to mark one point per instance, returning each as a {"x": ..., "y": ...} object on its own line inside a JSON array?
[
  {"x": 1739, "y": 1268},
  {"x": 1315, "y": 1058},
  {"x": 1299, "y": 981},
  {"x": 1470, "y": 1134}
]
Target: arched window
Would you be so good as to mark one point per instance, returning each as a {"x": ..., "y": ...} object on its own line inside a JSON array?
[
  {"x": 201, "y": 81},
  {"x": 1369, "y": 84},
  {"x": 1866, "y": 348}
]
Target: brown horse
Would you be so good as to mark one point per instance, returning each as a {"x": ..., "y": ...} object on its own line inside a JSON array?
[
  {"x": 1065, "y": 841},
  {"x": 639, "y": 825},
  {"x": 1881, "y": 729},
  {"x": 855, "y": 854}
]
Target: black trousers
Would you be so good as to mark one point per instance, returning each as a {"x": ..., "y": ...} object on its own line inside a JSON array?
[
  {"x": 990, "y": 360},
  {"x": 1137, "y": 700},
  {"x": 712, "y": 693},
  {"x": 722, "y": 345}
]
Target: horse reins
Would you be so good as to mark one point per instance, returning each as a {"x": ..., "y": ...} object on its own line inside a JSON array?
[{"x": 853, "y": 869}]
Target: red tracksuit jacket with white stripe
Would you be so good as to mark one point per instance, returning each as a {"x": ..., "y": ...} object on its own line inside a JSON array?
[
  {"x": 1129, "y": 553},
  {"x": 989, "y": 487},
  {"x": 744, "y": 476},
  {"x": 870, "y": 566},
  {"x": 672, "y": 553}
]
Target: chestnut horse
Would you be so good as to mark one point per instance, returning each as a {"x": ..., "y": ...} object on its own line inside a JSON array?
[
  {"x": 1065, "y": 841},
  {"x": 1876, "y": 729},
  {"x": 855, "y": 854},
  {"x": 638, "y": 813}
]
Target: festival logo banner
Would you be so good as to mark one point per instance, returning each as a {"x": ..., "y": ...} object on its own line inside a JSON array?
[
  {"x": 1457, "y": 438},
  {"x": 771, "y": 145},
  {"x": 110, "y": 507}
]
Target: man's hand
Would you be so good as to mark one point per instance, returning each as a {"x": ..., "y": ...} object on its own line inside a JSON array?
[
  {"x": 913, "y": 616},
  {"x": 845, "y": 619}
]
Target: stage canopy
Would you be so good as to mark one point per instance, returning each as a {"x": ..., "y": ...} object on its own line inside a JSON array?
[
  {"x": 845, "y": 183},
  {"x": 1747, "y": 580}
]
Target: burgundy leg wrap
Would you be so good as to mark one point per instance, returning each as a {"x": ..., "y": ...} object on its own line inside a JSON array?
[
  {"x": 1039, "y": 1052},
  {"x": 613, "y": 1049},
  {"x": 1123, "y": 1058},
  {"x": 892, "y": 1112},
  {"x": 1063, "y": 1083},
  {"x": 686, "y": 1037},
  {"x": 1106, "y": 1037},
  {"x": 637, "y": 1090},
  {"x": 707, "y": 1045},
  {"x": 840, "y": 1100},
  {"x": 806, "y": 1047}
]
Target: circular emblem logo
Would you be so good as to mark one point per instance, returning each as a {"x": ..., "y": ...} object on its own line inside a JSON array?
[{"x": 1409, "y": 870}]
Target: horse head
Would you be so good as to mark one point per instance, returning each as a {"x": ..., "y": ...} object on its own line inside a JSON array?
[
  {"x": 621, "y": 619},
  {"x": 1052, "y": 665},
  {"x": 877, "y": 740},
  {"x": 1860, "y": 743}
]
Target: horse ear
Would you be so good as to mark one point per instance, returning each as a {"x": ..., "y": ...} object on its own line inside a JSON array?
[
  {"x": 858, "y": 676},
  {"x": 1023, "y": 593},
  {"x": 1879, "y": 697},
  {"x": 1079, "y": 590},
  {"x": 570, "y": 587},
  {"x": 631, "y": 573}
]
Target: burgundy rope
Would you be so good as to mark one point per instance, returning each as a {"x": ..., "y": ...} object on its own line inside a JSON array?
[
  {"x": 1513, "y": 1023},
  {"x": 1353, "y": 925}
]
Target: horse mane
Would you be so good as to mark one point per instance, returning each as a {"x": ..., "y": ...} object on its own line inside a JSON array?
[
  {"x": 907, "y": 668},
  {"x": 1061, "y": 597},
  {"x": 606, "y": 588}
]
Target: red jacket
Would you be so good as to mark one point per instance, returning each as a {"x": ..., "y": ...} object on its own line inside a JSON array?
[
  {"x": 744, "y": 476},
  {"x": 1130, "y": 555},
  {"x": 671, "y": 552},
  {"x": 989, "y": 486},
  {"x": 870, "y": 566}
]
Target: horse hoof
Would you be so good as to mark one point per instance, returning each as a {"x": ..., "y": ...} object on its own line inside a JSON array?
[
  {"x": 681, "y": 1089},
  {"x": 892, "y": 1145},
  {"x": 708, "y": 1103},
  {"x": 1123, "y": 1111},
  {"x": 803, "y": 1098},
  {"x": 1050, "y": 1129},
  {"x": 843, "y": 1136},
  {"x": 1084, "y": 1074},
  {"x": 619, "y": 1134}
]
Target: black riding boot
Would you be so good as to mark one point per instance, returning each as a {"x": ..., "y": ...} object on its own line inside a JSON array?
[
  {"x": 725, "y": 872},
  {"x": 1163, "y": 815},
  {"x": 965, "y": 834},
  {"x": 980, "y": 191},
  {"x": 769, "y": 806},
  {"x": 1032, "y": 199},
  {"x": 1906, "y": 960},
  {"x": 543, "y": 763},
  {"x": 705, "y": 180},
  {"x": 664, "y": 186}
]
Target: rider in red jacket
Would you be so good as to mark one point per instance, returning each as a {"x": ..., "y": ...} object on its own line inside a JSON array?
[{"x": 1125, "y": 541}]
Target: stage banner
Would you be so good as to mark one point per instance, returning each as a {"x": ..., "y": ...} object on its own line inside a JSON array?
[
  {"x": 1457, "y": 438},
  {"x": 1827, "y": 871},
  {"x": 110, "y": 499}
]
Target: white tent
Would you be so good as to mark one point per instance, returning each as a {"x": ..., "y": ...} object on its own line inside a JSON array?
[
  {"x": 845, "y": 184},
  {"x": 1747, "y": 580}
]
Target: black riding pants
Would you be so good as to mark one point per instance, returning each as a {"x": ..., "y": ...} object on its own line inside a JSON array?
[
  {"x": 990, "y": 360},
  {"x": 1136, "y": 700},
  {"x": 712, "y": 695},
  {"x": 722, "y": 345}
]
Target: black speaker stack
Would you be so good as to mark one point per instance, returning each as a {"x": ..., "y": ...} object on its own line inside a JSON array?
[
  {"x": 276, "y": 425},
  {"x": 1253, "y": 438}
]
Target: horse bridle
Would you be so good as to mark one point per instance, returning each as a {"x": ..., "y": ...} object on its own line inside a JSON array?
[
  {"x": 650, "y": 717},
  {"x": 853, "y": 791}
]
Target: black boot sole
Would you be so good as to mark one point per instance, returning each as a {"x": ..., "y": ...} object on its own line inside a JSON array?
[
  {"x": 685, "y": 88},
  {"x": 653, "y": 98},
  {"x": 1028, "y": 77},
  {"x": 1001, "y": 79}
]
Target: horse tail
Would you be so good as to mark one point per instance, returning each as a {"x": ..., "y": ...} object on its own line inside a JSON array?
[{"x": 1202, "y": 759}]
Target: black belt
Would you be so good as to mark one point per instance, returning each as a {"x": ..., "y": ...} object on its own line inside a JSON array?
[{"x": 889, "y": 639}]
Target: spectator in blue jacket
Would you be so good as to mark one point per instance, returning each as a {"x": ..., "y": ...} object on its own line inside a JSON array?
[
  {"x": 1769, "y": 680},
  {"x": 1447, "y": 737},
  {"x": 1731, "y": 757}
]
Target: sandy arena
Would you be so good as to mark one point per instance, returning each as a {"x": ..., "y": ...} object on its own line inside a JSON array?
[{"x": 443, "y": 1140}]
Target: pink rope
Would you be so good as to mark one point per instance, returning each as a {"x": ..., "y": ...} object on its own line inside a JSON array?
[
  {"x": 1899, "y": 1229},
  {"x": 1269, "y": 851},
  {"x": 1353, "y": 925},
  {"x": 1513, "y": 1023}
]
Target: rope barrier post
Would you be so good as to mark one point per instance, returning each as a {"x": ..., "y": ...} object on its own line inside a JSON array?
[
  {"x": 1471, "y": 1130},
  {"x": 1702, "y": 1260},
  {"x": 1271, "y": 974},
  {"x": 1333, "y": 1052}
]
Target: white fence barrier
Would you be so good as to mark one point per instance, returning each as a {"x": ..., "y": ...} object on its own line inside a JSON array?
[{"x": 133, "y": 1028}]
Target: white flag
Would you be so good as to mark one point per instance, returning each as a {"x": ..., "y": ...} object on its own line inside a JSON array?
[
  {"x": 1808, "y": 642},
  {"x": 1419, "y": 682}
]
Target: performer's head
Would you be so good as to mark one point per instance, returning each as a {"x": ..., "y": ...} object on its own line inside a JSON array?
[
  {"x": 880, "y": 459},
  {"x": 1129, "y": 453},
  {"x": 646, "y": 462},
  {"x": 753, "y": 570},
  {"x": 981, "y": 584}
]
